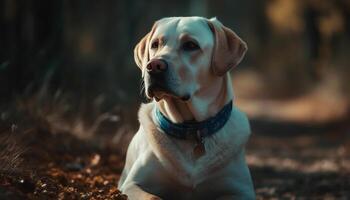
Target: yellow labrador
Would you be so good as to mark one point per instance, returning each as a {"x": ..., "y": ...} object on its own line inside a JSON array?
[{"x": 190, "y": 144}]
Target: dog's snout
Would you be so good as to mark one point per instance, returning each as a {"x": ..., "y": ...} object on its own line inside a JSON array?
[{"x": 157, "y": 66}]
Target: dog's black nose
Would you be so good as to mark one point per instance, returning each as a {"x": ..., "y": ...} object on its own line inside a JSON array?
[{"x": 156, "y": 66}]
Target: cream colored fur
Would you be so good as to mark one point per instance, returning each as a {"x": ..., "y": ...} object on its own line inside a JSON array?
[{"x": 159, "y": 166}]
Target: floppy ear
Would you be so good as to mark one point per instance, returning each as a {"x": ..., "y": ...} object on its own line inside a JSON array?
[
  {"x": 141, "y": 55},
  {"x": 229, "y": 49}
]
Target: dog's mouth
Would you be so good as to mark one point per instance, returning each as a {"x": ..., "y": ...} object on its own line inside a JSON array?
[{"x": 159, "y": 92}]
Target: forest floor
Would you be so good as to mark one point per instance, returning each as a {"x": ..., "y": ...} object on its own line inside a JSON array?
[
  {"x": 302, "y": 166},
  {"x": 46, "y": 165}
]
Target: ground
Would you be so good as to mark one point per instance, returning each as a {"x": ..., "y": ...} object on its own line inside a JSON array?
[
  {"x": 306, "y": 165},
  {"x": 314, "y": 166}
]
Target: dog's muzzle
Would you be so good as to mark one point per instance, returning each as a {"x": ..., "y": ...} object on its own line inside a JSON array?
[
  {"x": 157, "y": 78},
  {"x": 157, "y": 73},
  {"x": 157, "y": 70}
]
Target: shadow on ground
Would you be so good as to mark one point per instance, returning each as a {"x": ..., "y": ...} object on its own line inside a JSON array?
[{"x": 60, "y": 165}]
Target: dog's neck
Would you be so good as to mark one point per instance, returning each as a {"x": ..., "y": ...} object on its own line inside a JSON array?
[{"x": 202, "y": 105}]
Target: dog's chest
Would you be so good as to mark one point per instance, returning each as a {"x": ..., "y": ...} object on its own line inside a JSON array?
[
  {"x": 195, "y": 165},
  {"x": 177, "y": 155},
  {"x": 186, "y": 149}
]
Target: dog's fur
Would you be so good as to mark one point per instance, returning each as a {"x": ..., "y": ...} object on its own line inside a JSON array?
[{"x": 159, "y": 166}]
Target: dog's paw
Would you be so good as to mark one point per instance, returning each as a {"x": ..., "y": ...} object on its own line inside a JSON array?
[{"x": 155, "y": 198}]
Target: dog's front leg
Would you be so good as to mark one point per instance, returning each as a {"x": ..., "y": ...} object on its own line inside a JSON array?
[
  {"x": 142, "y": 181},
  {"x": 135, "y": 192}
]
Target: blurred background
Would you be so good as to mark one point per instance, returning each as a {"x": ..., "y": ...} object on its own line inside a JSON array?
[{"x": 69, "y": 86}]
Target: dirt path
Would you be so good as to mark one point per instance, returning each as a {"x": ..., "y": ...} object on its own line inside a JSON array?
[
  {"x": 315, "y": 166},
  {"x": 59, "y": 166}
]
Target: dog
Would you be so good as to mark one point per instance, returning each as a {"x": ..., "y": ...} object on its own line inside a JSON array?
[{"x": 190, "y": 144}]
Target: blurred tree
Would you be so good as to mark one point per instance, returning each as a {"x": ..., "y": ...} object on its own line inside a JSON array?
[
  {"x": 87, "y": 46},
  {"x": 31, "y": 39},
  {"x": 198, "y": 7}
]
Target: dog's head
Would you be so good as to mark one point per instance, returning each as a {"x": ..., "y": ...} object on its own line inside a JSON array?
[{"x": 180, "y": 56}]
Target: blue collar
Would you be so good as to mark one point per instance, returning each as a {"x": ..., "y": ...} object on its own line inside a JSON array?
[{"x": 200, "y": 129}]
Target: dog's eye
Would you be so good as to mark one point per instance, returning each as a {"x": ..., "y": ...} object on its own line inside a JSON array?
[
  {"x": 155, "y": 45},
  {"x": 190, "y": 46}
]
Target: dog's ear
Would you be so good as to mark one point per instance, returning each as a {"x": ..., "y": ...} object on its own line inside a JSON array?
[
  {"x": 229, "y": 49},
  {"x": 141, "y": 55}
]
